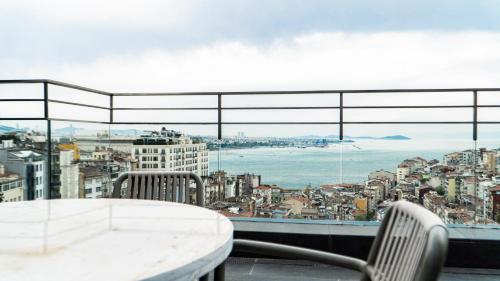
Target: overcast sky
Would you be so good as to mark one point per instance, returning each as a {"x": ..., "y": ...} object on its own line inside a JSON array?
[{"x": 226, "y": 45}]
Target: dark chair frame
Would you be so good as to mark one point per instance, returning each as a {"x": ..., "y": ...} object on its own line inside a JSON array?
[{"x": 410, "y": 245}]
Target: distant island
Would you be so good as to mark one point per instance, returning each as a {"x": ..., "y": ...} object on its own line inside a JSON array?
[
  {"x": 396, "y": 137},
  {"x": 393, "y": 137}
]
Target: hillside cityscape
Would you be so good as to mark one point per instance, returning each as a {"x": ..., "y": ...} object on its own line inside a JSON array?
[{"x": 463, "y": 187}]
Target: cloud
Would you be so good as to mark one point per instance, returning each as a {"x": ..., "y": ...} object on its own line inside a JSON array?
[
  {"x": 309, "y": 61},
  {"x": 306, "y": 62}
]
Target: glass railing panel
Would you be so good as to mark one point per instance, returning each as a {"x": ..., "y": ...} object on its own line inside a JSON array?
[
  {"x": 487, "y": 186},
  {"x": 276, "y": 171},
  {"x": 171, "y": 147},
  {"x": 82, "y": 161},
  {"x": 423, "y": 163},
  {"x": 23, "y": 161}
]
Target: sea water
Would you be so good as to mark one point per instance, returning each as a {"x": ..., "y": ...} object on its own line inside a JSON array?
[{"x": 296, "y": 168}]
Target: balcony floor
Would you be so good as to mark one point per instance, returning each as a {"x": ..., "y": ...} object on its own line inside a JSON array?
[{"x": 249, "y": 269}]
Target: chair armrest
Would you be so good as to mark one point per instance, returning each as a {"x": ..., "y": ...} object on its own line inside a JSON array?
[{"x": 285, "y": 251}]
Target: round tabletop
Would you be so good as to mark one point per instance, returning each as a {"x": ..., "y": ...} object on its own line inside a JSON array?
[{"x": 110, "y": 239}]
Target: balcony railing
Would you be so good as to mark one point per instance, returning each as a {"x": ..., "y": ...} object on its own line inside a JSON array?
[{"x": 52, "y": 101}]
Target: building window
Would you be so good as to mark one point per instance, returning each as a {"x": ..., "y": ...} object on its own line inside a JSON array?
[{"x": 88, "y": 190}]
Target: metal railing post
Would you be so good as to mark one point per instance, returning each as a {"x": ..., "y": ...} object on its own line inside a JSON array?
[
  {"x": 49, "y": 139},
  {"x": 341, "y": 116},
  {"x": 219, "y": 116},
  {"x": 474, "y": 118},
  {"x": 111, "y": 109}
]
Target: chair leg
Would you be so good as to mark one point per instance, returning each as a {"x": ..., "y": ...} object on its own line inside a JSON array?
[
  {"x": 204, "y": 277},
  {"x": 220, "y": 272}
]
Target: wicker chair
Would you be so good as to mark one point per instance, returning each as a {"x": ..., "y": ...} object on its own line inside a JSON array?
[
  {"x": 163, "y": 186},
  {"x": 410, "y": 245}
]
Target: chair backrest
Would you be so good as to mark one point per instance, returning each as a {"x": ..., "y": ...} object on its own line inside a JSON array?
[
  {"x": 163, "y": 186},
  {"x": 410, "y": 245}
]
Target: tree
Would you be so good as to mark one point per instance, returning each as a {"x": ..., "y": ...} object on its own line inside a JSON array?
[
  {"x": 1, "y": 197},
  {"x": 440, "y": 190},
  {"x": 498, "y": 218},
  {"x": 359, "y": 217}
]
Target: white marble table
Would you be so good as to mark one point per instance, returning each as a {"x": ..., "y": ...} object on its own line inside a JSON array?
[{"x": 110, "y": 239}]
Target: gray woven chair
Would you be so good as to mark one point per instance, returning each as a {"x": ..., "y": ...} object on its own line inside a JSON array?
[
  {"x": 163, "y": 186},
  {"x": 410, "y": 245}
]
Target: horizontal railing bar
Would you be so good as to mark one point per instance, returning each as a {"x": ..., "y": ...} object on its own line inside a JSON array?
[
  {"x": 280, "y": 107},
  {"x": 409, "y": 122},
  {"x": 54, "y": 82},
  {"x": 23, "y": 81},
  {"x": 406, "y": 106},
  {"x": 76, "y": 87},
  {"x": 225, "y": 108},
  {"x": 303, "y": 123},
  {"x": 24, "y": 118},
  {"x": 250, "y": 123},
  {"x": 79, "y": 104},
  {"x": 301, "y": 107},
  {"x": 314, "y": 92},
  {"x": 280, "y": 123},
  {"x": 165, "y": 108},
  {"x": 164, "y": 123},
  {"x": 20, "y": 100},
  {"x": 78, "y": 120}
]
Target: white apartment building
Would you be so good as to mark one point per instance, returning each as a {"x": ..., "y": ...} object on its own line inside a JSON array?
[
  {"x": 11, "y": 186},
  {"x": 69, "y": 175},
  {"x": 402, "y": 171},
  {"x": 170, "y": 151},
  {"x": 94, "y": 183},
  {"x": 31, "y": 166}
]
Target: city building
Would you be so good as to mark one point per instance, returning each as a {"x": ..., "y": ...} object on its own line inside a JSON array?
[
  {"x": 170, "y": 151},
  {"x": 69, "y": 177},
  {"x": 116, "y": 143},
  {"x": 94, "y": 182},
  {"x": 30, "y": 165},
  {"x": 402, "y": 171},
  {"x": 11, "y": 186}
]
